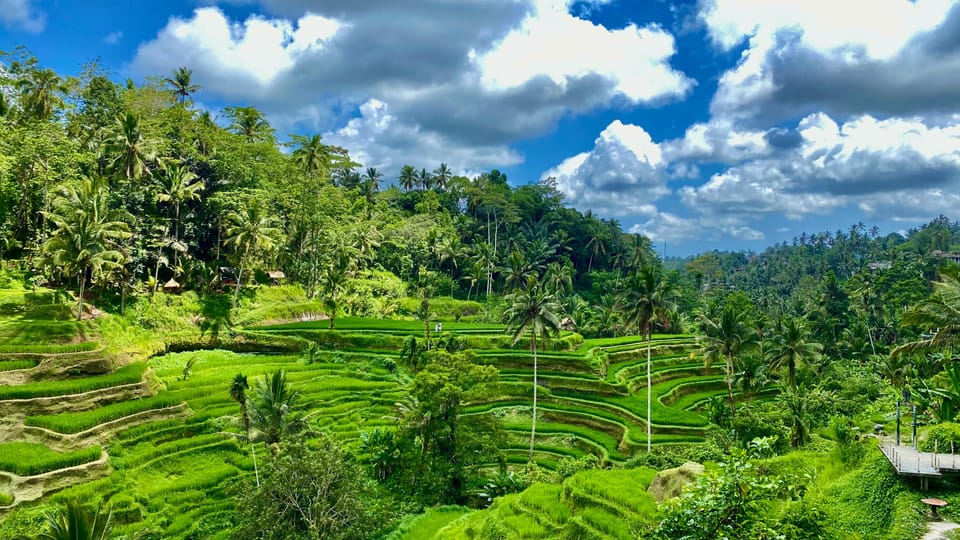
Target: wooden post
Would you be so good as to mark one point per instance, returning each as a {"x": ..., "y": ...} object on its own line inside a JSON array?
[
  {"x": 898, "y": 422},
  {"x": 915, "y": 445}
]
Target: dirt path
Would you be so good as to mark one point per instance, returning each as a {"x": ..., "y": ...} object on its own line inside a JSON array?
[{"x": 937, "y": 530}]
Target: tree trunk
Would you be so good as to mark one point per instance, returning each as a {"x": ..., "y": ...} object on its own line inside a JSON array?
[
  {"x": 83, "y": 281},
  {"x": 533, "y": 420},
  {"x": 733, "y": 405},
  {"x": 649, "y": 392}
]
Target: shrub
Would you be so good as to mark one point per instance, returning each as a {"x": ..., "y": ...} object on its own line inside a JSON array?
[{"x": 942, "y": 438}]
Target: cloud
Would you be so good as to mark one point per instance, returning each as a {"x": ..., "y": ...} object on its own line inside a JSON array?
[
  {"x": 665, "y": 226},
  {"x": 379, "y": 139},
  {"x": 553, "y": 43},
  {"x": 113, "y": 38},
  {"x": 869, "y": 162},
  {"x": 623, "y": 175},
  {"x": 472, "y": 73},
  {"x": 22, "y": 14},
  {"x": 231, "y": 59},
  {"x": 881, "y": 57}
]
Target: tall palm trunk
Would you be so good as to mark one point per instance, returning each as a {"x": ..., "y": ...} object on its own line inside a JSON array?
[
  {"x": 729, "y": 377},
  {"x": 649, "y": 392},
  {"x": 533, "y": 424},
  {"x": 83, "y": 281}
]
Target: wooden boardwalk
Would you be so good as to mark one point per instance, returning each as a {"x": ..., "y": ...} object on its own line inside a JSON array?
[{"x": 907, "y": 461}]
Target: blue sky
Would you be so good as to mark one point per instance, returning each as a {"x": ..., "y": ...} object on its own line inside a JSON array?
[{"x": 728, "y": 124}]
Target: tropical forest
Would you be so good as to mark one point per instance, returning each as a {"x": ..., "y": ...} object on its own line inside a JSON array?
[{"x": 211, "y": 329}]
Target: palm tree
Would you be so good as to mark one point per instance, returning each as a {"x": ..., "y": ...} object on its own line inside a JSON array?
[
  {"x": 87, "y": 233},
  {"x": 132, "y": 152},
  {"x": 425, "y": 179},
  {"x": 597, "y": 242},
  {"x": 535, "y": 310},
  {"x": 41, "y": 93},
  {"x": 77, "y": 523},
  {"x": 271, "y": 407},
  {"x": 181, "y": 85},
  {"x": 311, "y": 154},
  {"x": 727, "y": 334},
  {"x": 516, "y": 271},
  {"x": 340, "y": 268},
  {"x": 249, "y": 231},
  {"x": 250, "y": 123},
  {"x": 792, "y": 347},
  {"x": 408, "y": 177},
  {"x": 648, "y": 298},
  {"x": 373, "y": 176},
  {"x": 442, "y": 176},
  {"x": 940, "y": 313},
  {"x": 178, "y": 185},
  {"x": 238, "y": 392}
]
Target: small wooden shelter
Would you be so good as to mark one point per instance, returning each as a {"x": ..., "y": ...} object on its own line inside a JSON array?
[
  {"x": 276, "y": 276},
  {"x": 171, "y": 286}
]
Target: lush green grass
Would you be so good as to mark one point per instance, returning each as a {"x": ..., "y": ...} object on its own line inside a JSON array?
[
  {"x": 10, "y": 365},
  {"x": 129, "y": 374},
  {"x": 387, "y": 326},
  {"x": 84, "y": 420},
  {"x": 84, "y": 346},
  {"x": 418, "y": 526},
  {"x": 591, "y": 504},
  {"x": 27, "y": 459}
]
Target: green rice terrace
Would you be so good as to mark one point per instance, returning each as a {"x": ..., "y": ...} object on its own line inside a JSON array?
[
  {"x": 146, "y": 423},
  {"x": 161, "y": 447}
]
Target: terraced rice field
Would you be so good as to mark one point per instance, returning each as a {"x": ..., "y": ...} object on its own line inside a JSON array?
[
  {"x": 605, "y": 505},
  {"x": 165, "y": 456}
]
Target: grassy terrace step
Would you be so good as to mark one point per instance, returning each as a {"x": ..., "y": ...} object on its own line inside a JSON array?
[
  {"x": 427, "y": 524},
  {"x": 81, "y": 421},
  {"x": 561, "y": 382},
  {"x": 10, "y": 365},
  {"x": 130, "y": 374},
  {"x": 633, "y": 340},
  {"x": 46, "y": 350},
  {"x": 27, "y": 459},
  {"x": 600, "y": 443},
  {"x": 385, "y": 326},
  {"x": 688, "y": 387}
]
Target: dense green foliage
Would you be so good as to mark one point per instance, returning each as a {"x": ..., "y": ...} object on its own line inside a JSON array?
[{"x": 391, "y": 321}]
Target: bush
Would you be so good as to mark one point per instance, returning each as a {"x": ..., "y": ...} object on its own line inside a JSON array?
[{"x": 942, "y": 438}]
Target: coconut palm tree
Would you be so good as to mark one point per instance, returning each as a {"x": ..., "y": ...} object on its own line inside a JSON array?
[
  {"x": 408, "y": 177},
  {"x": 178, "y": 185},
  {"x": 271, "y": 407},
  {"x": 442, "y": 176},
  {"x": 534, "y": 310},
  {"x": 340, "y": 268},
  {"x": 648, "y": 298},
  {"x": 373, "y": 176},
  {"x": 425, "y": 179},
  {"x": 87, "y": 234},
  {"x": 792, "y": 347},
  {"x": 728, "y": 332},
  {"x": 181, "y": 84},
  {"x": 250, "y": 123},
  {"x": 310, "y": 154},
  {"x": 940, "y": 314},
  {"x": 238, "y": 392},
  {"x": 77, "y": 523},
  {"x": 249, "y": 231},
  {"x": 41, "y": 93},
  {"x": 131, "y": 152}
]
